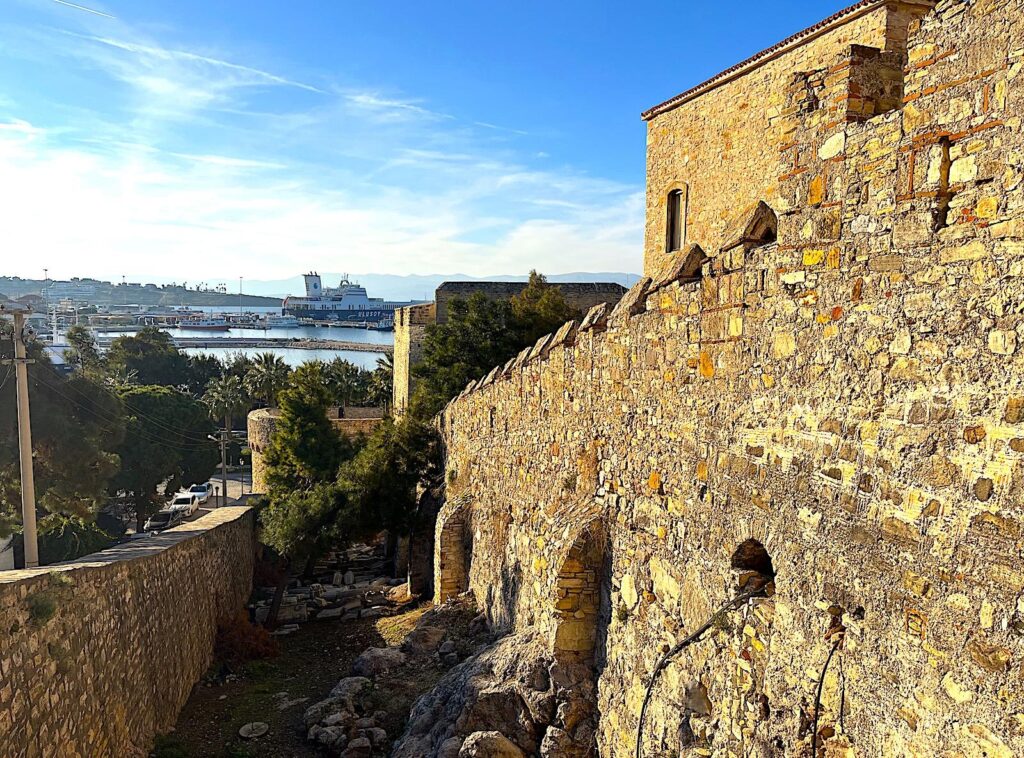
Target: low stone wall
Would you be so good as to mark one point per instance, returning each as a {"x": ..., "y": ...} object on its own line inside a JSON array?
[{"x": 99, "y": 655}]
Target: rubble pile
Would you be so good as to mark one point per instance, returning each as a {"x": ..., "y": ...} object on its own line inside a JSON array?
[{"x": 346, "y": 585}]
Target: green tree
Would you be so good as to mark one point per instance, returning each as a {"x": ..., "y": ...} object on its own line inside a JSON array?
[
  {"x": 238, "y": 364},
  {"x": 149, "y": 355},
  {"x": 346, "y": 382},
  {"x": 226, "y": 398},
  {"x": 379, "y": 483},
  {"x": 200, "y": 370},
  {"x": 76, "y": 428},
  {"x": 83, "y": 353},
  {"x": 166, "y": 446},
  {"x": 267, "y": 376},
  {"x": 539, "y": 309},
  {"x": 306, "y": 449},
  {"x": 379, "y": 388},
  {"x": 481, "y": 334}
]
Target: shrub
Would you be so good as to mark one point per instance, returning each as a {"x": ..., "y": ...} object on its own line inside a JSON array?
[
  {"x": 239, "y": 641},
  {"x": 41, "y": 607}
]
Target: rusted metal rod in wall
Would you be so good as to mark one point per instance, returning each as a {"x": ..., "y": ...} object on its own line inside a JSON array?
[
  {"x": 729, "y": 605},
  {"x": 817, "y": 696}
]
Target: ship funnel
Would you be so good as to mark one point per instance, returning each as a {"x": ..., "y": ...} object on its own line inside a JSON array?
[{"x": 313, "y": 285}]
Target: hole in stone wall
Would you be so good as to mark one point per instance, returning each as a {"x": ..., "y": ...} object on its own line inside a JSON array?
[{"x": 750, "y": 555}]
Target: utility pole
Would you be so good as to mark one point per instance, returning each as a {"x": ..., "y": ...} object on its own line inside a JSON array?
[
  {"x": 28, "y": 485},
  {"x": 223, "y": 438}
]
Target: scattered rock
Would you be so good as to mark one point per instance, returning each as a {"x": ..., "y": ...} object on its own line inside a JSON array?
[
  {"x": 446, "y": 647},
  {"x": 490, "y": 745},
  {"x": 375, "y": 661},
  {"x": 360, "y": 747},
  {"x": 253, "y": 729},
  {"x": 424, "y": 639}
]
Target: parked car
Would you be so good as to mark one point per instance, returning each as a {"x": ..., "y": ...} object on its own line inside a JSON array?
[
  {"x": 185, "y": 502},
  {"x": 201, "y": 491},
  {"x": 164, "y": 519}
]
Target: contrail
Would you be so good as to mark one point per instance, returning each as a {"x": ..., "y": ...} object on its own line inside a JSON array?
[{"x": 83, "y": 8}]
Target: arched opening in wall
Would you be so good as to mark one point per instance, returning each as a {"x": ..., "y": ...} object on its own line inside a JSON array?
[
  {"x": 675, "y": 219},
  {"x": 454, "y": 550},
  {"x": 578, "y": 595},
  {"x": 751, "y": 557}
]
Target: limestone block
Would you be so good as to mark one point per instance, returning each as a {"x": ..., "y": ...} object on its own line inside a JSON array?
[
  {"x": 634, "y": 301},
  {"x": 596, "y": 318}
]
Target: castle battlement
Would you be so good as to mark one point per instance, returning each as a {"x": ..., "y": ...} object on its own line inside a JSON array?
[{"x": 822, "y": 369}]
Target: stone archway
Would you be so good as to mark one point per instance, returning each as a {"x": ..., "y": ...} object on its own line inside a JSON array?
[
  {"x": 577, "y": 594},
  {"x": 453, "y": 549}
]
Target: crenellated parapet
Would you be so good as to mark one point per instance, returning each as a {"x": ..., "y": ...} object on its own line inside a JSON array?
[{"x": 821, "y": 390}]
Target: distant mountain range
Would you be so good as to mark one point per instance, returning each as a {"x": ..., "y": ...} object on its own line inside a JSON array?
[{"x": 417, "y": 286}]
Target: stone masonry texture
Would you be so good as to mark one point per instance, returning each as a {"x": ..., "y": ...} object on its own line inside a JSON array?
[
  {"x": 99, "y": 655},
  {"x": 411, "y": 322},
  {"x": 838, "y": 392}
]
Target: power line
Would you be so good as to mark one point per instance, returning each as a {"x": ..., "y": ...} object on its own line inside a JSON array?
[
  {"x": 135, "y": 411},
  {"x": 145, "y": 436}
]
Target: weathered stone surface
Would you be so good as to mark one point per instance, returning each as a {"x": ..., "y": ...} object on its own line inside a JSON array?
[
  {"x": 848, "y": 396},
  {"x": 596, "y": 318},
  {"x": 151, "y": 605},
  {"x": 377, "y": 660},
  {"x": 489, "y": 745}
]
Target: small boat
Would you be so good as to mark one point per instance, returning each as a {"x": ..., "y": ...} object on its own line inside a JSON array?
[
  {"x": 281, "y": 322},
  {"x": 205, "y": 324}
]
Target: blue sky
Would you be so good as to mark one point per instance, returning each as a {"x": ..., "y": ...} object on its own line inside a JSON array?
[{"x": 193, "y": 140}]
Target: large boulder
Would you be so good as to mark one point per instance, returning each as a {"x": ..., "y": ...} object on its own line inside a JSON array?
[
  {"x": 375, "y": 661},
  {"x": 489, "y": 745},
  {"x": 512, "y": 690}
]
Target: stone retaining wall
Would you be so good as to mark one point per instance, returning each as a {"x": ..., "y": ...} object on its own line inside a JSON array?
[
  {"x": 828, "y": 388},
  {"x": 100, "y": 655}
]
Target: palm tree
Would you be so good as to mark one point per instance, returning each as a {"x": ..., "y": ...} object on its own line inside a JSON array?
[
  {"x": 266, "y": 377},
  {"x": 345, "y": 381},
  {"x": 225, "y": 397},
  {"x": 381, "y": 381}
]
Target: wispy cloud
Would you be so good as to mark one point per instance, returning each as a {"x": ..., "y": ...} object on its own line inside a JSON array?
[
  {"x": 93, "y": 11},
  {"x": 391, "y": 107},
  {"x": 216, "y": 162},
  {"x": 251, "y": 76}
]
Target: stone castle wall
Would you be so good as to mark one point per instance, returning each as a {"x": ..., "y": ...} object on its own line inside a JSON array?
[
  {"x": 410, "y": 329},
  {"x": 411, "y": 322},
  {"x": 100, "y": 655},
  {"x": 723, "y": 146},
  {"x": 579, "y": 295},
  {"x": 837, "y": 401},
  {"x": 261, "y": 423}
]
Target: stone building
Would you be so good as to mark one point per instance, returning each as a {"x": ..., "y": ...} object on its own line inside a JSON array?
[
  {"x": 803, "y": 429},
  {"x": 262, "y": 422},
  {"x": 411, "y": 322}
]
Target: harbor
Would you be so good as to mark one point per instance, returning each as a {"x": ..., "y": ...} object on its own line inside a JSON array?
[{"x": 294, "y": 343}]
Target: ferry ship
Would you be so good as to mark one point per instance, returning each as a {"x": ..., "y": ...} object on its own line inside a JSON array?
[{"x": 347, "y": 302}]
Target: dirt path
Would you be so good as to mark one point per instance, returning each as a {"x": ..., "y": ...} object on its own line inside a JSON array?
[{"x": 311, "y": 662}]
